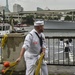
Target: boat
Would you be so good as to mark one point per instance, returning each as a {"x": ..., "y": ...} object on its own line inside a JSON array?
[
  {"x": 20, "y": 28},
  {"x": 5, "y": 28}
]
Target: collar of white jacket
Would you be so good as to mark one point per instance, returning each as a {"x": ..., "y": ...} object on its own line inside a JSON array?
[{"x": 38, "y": 23}]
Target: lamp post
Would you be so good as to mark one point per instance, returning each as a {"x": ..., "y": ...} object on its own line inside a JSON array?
[{"x": 3, "y": 16}]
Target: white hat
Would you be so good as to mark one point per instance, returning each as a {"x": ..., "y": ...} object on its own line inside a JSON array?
[{"x": 38, "y": 23}]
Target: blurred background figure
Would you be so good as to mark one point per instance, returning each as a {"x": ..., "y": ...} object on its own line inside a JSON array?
[
  {"x": 70, "y": 41},
  {"x": 67, "y": 50},
  {"x": 61, "y": 43}
]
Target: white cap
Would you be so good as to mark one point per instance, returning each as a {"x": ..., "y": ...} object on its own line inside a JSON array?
[{"x": 38, "y": 23}]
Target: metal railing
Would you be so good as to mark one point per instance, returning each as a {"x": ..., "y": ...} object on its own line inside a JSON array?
[
  {"x": 56, "y": 50},
  {"x": 59, "y": 51}
]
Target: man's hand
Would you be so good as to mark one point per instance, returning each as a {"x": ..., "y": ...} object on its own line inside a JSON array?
[
  {"x": 18, "y": 60},
  {"x": 21, "y": 54},
  {"x": 43, "y": 50}
]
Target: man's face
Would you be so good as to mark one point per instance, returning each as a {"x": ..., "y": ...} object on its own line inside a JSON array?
[{"x": 41, "y": 28}]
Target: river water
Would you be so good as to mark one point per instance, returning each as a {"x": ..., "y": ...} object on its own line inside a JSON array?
[{"x": 57, "y": 28}]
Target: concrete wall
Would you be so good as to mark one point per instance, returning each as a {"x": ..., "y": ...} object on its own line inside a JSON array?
[{"x": 12, "y": 50}]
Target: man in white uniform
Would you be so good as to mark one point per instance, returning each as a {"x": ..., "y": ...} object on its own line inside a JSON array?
[{"x": 33, "y": 47}]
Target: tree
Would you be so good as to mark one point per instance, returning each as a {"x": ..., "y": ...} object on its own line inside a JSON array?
[
  {"x": 23, "y": 20},
  {"x": 68, "y": 18},
  {"x": 15, "y": 22},
  {"x": 10, "y": 19},
  {"x": 29, "y": 20},
  {"x": 49, "y": 18},
  {"x": 55, "y": 18}
]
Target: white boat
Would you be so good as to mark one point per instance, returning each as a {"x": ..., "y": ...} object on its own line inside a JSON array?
[{"x": 5, "y": 28}]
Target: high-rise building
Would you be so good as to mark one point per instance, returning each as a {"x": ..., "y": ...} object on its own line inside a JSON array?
[
  {"x": 46, "y": 8},
  {"x": 17, "y": 8},
  {"x": 7, "y": 7},
  {"x": 2, "y": 8},
  {"x": 39, "y": 9}
]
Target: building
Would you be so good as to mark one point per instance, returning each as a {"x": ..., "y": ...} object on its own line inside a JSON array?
[
  {"x": 47, "y": 8},
  {"x": 5, "y": 8},
  {"x": 2, "y": 8},
  {"x": 18, "y": 14},
  {"x": 17, "y": 8},
  {"x": 39, "y": 9}
]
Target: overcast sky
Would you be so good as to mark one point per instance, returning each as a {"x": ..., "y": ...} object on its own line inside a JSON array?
[{"x": 30, "y": 5}]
